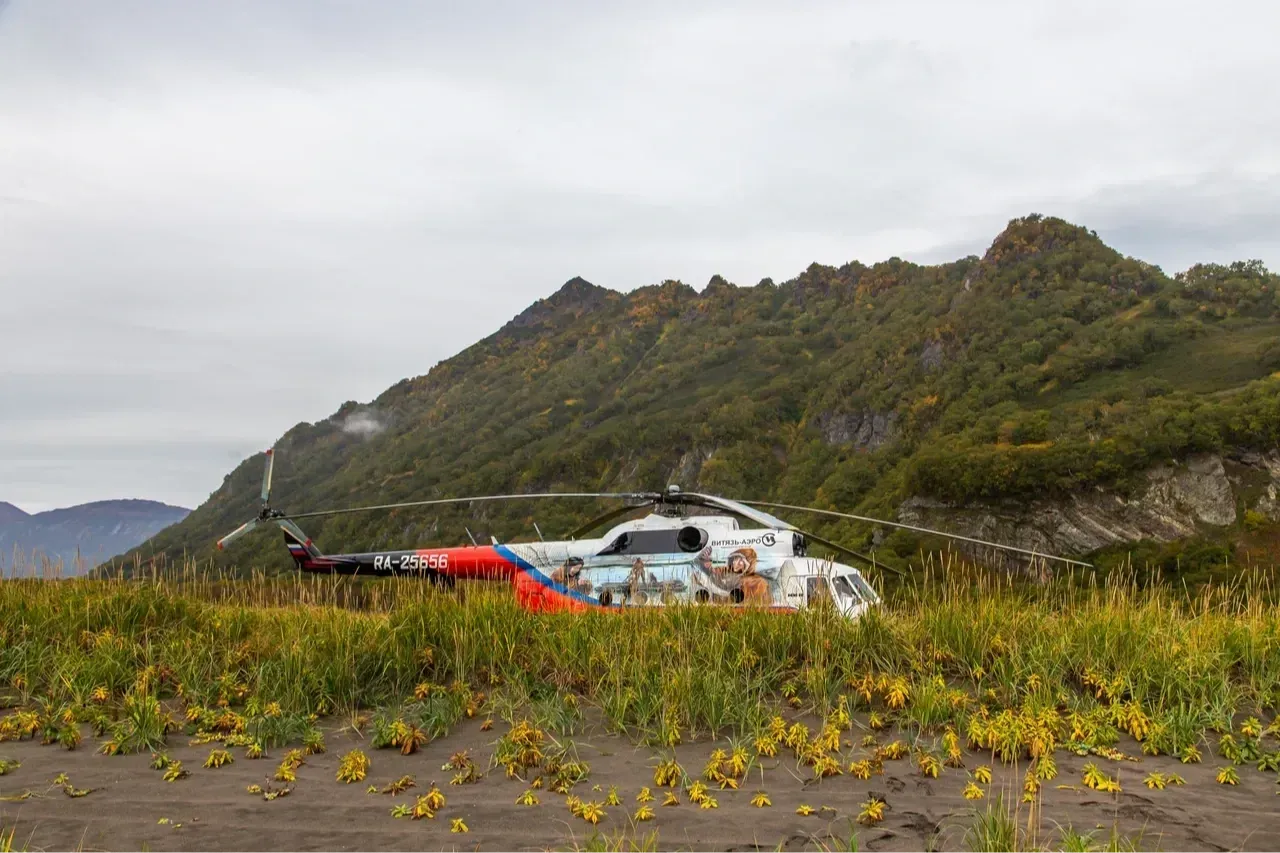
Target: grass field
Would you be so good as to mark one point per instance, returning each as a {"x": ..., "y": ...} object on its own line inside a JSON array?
[{"x": 1090, "y": 704}]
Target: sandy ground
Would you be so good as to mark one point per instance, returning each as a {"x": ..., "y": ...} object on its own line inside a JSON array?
[{"x": 211, "y": 809}]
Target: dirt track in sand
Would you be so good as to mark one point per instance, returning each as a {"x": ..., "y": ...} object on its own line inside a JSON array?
[{"x": 211, "y": 810}]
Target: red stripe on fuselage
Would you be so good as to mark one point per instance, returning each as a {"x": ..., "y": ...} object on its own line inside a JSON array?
[{"x": 481, "y": 562}]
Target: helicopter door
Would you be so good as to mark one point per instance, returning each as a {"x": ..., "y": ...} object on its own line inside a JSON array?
[
  {"x": 817, "y": 590},
  {"x": 791, "y": 588}
]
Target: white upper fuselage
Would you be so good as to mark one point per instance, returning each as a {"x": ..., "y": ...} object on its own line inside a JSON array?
[{"x": 702, "y": 558}]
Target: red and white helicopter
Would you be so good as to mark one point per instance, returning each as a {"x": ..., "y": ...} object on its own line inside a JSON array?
[{"x": 689, "y": 547}]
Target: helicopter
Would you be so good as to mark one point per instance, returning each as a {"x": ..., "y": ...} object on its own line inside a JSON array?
[{"x": 688, "y": 548}]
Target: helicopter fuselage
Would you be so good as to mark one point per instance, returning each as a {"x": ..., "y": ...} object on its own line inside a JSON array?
[{"x": 650, "y": 561}]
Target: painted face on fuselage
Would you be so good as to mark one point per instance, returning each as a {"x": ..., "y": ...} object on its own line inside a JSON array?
[{"x": 742, "y": 562}]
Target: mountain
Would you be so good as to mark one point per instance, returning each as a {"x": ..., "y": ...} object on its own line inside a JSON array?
[
  {"x": 79, "y": 536},
  {"x": 1051, "y": 392},
  {"x": 10, "y": 514}
]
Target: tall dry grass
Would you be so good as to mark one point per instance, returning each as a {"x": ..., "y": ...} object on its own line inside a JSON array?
[{"x": 960, "y": 644}]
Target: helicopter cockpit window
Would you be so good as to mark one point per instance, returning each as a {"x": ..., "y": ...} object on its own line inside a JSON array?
[
  {"x": 843, "y": 587},
  {"x": 860, "y": 584},
  {"x": 670, "y": 541}
]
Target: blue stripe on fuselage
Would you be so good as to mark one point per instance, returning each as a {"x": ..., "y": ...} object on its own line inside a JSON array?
[{"x": 507, "y": 554}]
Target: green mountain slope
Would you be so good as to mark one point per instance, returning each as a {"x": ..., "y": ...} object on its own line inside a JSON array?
[{"x": 1050, "y": 364}]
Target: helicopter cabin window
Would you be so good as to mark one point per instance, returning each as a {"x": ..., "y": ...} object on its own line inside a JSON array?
[
  {"x": 688, "y": 540},
  {"x": 816, "y": 589}
]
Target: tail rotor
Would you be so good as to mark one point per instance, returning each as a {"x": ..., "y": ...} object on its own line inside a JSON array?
[
  {"x": 266, "y": 476},
  {"x": 266, "y": 513},
  {"x": 237, "y": 533}
]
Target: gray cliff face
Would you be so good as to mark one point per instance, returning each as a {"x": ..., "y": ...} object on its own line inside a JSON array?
[
  {"x": 1177, "y": 501},
  {"x": 865, "y": 430},
  {"x": 1269, "y": 501},
  {"x": 690, "y": 463}
]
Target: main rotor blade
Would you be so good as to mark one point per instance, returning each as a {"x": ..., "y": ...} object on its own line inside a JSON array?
[
  {"x": 266, "y": 475},
  {"x": 630, "y": 496},
  {"x": 920, "y": 530},
  {"x": 608, "y": 516},
  {"x": 843, "y": 550},
  {"x": 237, "y": 533},
  {"x": 738, "y": 508}
]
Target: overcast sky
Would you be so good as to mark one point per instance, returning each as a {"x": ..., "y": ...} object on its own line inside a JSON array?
[{"x": 219, "y": 219}]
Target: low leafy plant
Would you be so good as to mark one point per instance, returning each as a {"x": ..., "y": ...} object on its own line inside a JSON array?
[
  {"x": 872, "y": 812},
  {"x": 400, "y": 785},
  {"x": 218, "y": 758},
  {"x": 353, "y": 767},
  {"x": 434, "y": 797},
  {"x": 422, "y": 808}
]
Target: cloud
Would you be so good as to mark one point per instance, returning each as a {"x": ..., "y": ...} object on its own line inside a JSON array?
[
  {"x": 218, "y": 221},
  {"x": 1222, "y": 217},
  {"x": 365, "y": 424}
]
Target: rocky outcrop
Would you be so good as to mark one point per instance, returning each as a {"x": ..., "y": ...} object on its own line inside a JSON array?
[
  {"x": 1266, "y": 468},
  {"x": 575, "y": 296},
  {"x": 1197, "y": 491},
  {"x": 865, "y": 430},
  {"x": 931, "y": 356},
  {"x": 1178, "y": 500},
  {"x": 687, "y": 467}
]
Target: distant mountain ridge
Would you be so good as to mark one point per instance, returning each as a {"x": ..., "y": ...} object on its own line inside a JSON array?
[
  {"x": 10, "y": 513},
  {"x": 80, "y": 537},
  {"x": 1048, "y": 370}
]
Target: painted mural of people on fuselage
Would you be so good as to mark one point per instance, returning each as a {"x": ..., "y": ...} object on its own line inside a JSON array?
[
  {"x": 570, "y": 575},
  {"x": 743, "y": 577},
  {"x": 619, "y": 579}
]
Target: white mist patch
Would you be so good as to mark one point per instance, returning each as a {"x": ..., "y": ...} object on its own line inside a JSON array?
[{"x": 363, "y": 424}]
